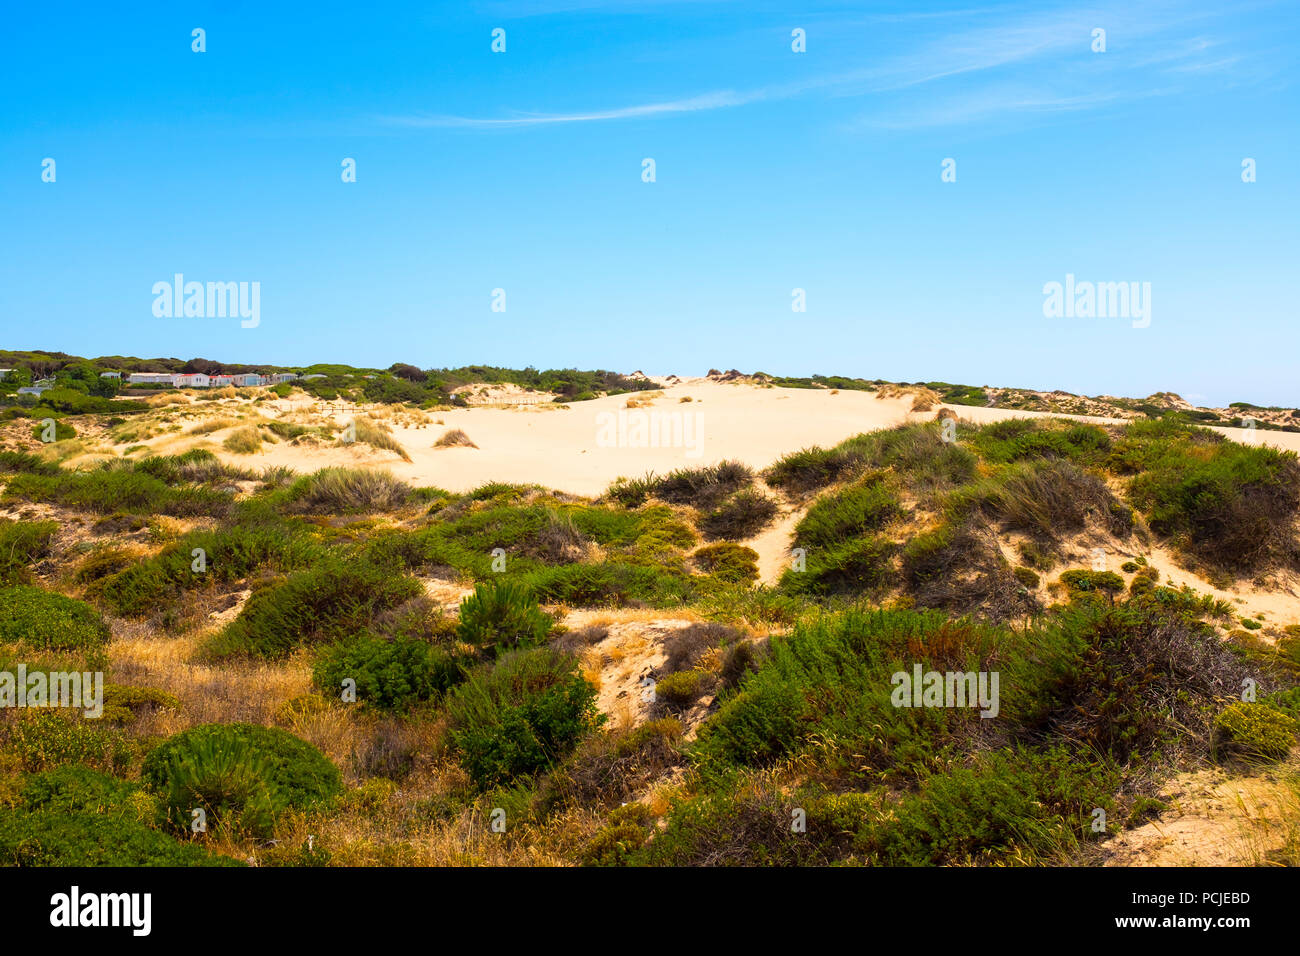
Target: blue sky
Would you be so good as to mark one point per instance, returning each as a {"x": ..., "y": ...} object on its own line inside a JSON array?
[{"x": 775, "y": 170}]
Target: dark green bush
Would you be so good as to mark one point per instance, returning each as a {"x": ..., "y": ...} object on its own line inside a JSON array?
[
  {"x": 37, "y": 618},
  {"x": 521, "y": 715},
  {"x": 329, "y": 602},
  {"x": 854, "y": 511},
  {"x": 1230, "y": 504},
  {"x": 502, "y": 616},
  {"x": 390, "y": 674},
  {"x": 75, "y": 816},
  {"x": 21, "y": 543},
  {"x": 612, "y": 583},
  {"x": 857, "y": 566},
  {"x": 741, "y": 516},
  {"x": 242, "y": 775},
  {"x": 728, "y": 562}
]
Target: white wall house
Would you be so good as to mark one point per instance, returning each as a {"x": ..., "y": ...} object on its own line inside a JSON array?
[
  {"x": 191, "y": 380},
  {"x": 150, "y": 378}
]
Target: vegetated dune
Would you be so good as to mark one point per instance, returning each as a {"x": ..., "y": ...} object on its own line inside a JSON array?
[
  {"x": 579, "y": 448},
  {"x": 604, "y": 664}
]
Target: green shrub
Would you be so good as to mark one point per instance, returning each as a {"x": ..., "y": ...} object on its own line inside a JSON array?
[
  {"x": 728, "y": 562},
  {"x": 741, "y": 516},
  {"x": 705, "y": 487},
  {"x": 1232, "y": 505},
  {"x": 116, "y": 487},
  {"x": 347, "y": 491},
  {"x": 611, "y": 583},
  {"x": 856, "y": 566},
  {"x": 683, "y": 687},
  {"x": 1009, "y": 805},
  {"x": 1045, "y": 497},
  {"x": 326, "y": 603},
  {"x": 702, "y": 488},
  {"x": 502, "y": 616},
  {"x": 1018, "y": 439},
  {"x": 811, "y": 469},
  {"x": 21, "y": 543},
  {"x": 1082, "y": 580},
  {"x": 251, "y": 546},
  {"x": 390, "y": 674},
  {"x": 37, "y": 618},
  {"x": 62, "y": 431},
  {"x": 520, "y": 716},
  {"x": 42, "y": 739},
  {"x": 76, "y": 817},
  {"x": 1255, "y": 730},
  {"x": 25, "y": 463},
  {"x": 852, "y": 512},
  {"x": 1026, "y": 577},
  {"x": 242, "y": 775}
]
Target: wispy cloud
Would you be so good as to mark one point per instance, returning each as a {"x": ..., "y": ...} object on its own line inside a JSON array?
[
  {"x": 1047, "y": 49},
  {"x": 693, "y": 104}
]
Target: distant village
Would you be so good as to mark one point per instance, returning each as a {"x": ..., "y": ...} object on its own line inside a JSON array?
[{"x": 177, "y": 380}]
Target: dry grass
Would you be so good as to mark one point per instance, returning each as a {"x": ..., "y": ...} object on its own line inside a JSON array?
[
  {"x": 212, "y": 425},
  {"x": 453, "y": 439},
  {"x": 244, "y": 441},
  {"x": 370, "y": 432},
  {"x": 163, "y": 399}
]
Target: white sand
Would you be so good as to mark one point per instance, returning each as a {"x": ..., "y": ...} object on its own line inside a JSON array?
[{"x": 580, "y": 449}]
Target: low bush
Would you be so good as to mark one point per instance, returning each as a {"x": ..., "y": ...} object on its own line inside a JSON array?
[
  {"x": 76, "y": 817},
  {"x": 741, "y": 516},
  {"x": 502, "y": 616},
  {"x": 242, "y": 775},
  {"x": 1255, "y": 730},
  {"x": 391, "y": 674},
  {"x": 44, "y": 739},
  {"x": 326, "y": 603},
  {"x": 22, "y": 543},
  {"x": 521, "y": 715},
  {"x": 857, "y": 510},
  {"x": 728, "y": 562},
  {"x": 37, "y": 618},
  {"x": 346, "y": 491}
]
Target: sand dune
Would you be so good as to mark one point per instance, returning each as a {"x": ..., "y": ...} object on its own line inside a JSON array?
[{"x": 581, "y": 449}]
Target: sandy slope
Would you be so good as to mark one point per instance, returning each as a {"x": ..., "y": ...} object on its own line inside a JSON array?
[
  {"x": 564, "y": 448},
  {"x": 569, "y": 449}
]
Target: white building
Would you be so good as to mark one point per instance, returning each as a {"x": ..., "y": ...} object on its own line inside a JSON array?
[
  {"x": 191, "y": 380},
  {"x": 281, "y": 377},
  {"x": 33, "y": 389},
  {"x": 249, "y": 379},
  {"x": 110, "y": 375},
  {"x": 150, "y": 378}
]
